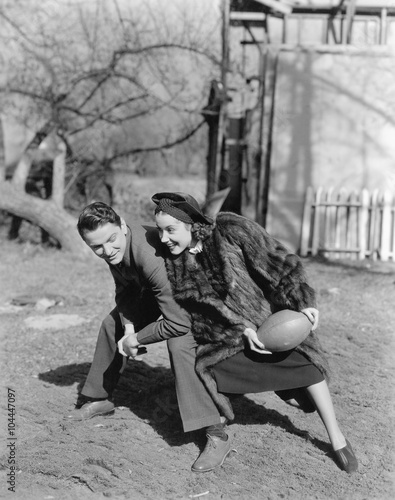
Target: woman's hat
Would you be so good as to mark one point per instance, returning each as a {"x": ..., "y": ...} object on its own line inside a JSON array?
[{"x": 177, "y": 204}]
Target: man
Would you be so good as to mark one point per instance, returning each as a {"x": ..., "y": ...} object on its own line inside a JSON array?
[{"x": 145, "y": 313}]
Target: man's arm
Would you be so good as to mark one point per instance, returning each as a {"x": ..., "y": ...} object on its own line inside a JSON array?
[
  {"x": 156, "y": 317},
  {"x": 174, "y": 320}
]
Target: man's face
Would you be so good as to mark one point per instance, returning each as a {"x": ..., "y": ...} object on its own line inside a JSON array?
[{"x": 108, "y": 242}]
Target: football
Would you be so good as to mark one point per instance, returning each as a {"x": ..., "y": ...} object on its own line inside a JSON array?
[{"x": 284, "y": 330}]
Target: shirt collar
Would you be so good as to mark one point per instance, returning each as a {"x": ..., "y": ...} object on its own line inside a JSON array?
[
  {"x": 125, "y": 262},
  {"x": 198, "y": 248}
]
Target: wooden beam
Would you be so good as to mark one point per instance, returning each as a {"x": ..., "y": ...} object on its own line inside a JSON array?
[
  {"x": 224, "y": 71},
  {"x": 276, "y": 6},
  {"x": 331, "y": 4},
  {"x": 248, "y": 16},
  {"x": 351, "y": 7},
  {"x": 376, "y": 50},
  {"x": 366, "y": 9},
  {"x": 383, "y": 27}
]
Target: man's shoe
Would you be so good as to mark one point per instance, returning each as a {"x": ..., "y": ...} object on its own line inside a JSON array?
[
  {"x": 347, "y": 459},
  {"x": 213, "y": 455},
  {"x": 91, "y": 409}
]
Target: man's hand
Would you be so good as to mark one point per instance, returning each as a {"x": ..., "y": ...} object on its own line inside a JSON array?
[
  {"x": 129, "y": 345},
  {"x": 253, "y": 341},
  {"x": 313, "y": 315}
]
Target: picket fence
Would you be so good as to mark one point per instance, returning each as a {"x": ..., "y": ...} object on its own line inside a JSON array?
[{"x": 356, "y": 225}]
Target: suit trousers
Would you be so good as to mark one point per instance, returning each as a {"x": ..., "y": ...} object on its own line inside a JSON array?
[{"x": 196, "y": 407}]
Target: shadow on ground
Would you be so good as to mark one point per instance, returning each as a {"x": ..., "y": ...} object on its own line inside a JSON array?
[{"x": 149, "y": 394}]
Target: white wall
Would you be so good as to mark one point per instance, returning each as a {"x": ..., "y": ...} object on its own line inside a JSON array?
[{"x": 334, "y": 126}]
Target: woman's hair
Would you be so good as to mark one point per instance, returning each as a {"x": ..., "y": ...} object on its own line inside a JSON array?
[
  {"x": 201, "y": 231},
  {"x": 96, "y": 215}
]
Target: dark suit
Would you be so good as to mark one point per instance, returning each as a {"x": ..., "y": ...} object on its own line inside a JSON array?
[{"x": 142, "y": 295}]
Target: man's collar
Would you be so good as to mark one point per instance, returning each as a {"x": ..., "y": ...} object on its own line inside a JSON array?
[
  {"x": 126, "y": 257},
  {"x": 125, "y": 262}
]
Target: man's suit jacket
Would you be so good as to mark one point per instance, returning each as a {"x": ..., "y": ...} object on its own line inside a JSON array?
[{"x": 142, "y": 291}]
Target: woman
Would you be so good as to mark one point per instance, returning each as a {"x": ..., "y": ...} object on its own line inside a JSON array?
[{"x": 230, "y": 275}]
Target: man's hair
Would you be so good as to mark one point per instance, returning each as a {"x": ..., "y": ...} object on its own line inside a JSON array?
[{"x": 96, "y": 215}]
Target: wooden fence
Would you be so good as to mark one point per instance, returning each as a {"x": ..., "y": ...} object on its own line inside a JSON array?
[{"x": 356, "y": 225}]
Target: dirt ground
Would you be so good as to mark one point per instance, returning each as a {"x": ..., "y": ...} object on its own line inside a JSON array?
[{"x": 141, "y": 452}]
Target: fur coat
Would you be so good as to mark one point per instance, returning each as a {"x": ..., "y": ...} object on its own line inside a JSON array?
[{"x": 240, "y": 278}]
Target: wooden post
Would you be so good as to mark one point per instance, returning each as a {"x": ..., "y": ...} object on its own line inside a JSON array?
[
  {"x": 211, "y": 114},
  {"x": 352, "y": 246},
  {"x": 383, "y": 26},
  {"x": 374, "y": 221},
  {"x": 231, "y": 175},
  {"x": 259, "y": 168},
  {"x": 385, "y": 239},
  {"x": 328, "y": 221},
  {"x": 341, "y": 222},
  {"x": 306, "y": 222},
  {"x": 224, "y": 71},
  {"x": 316, "y": 225},
  {"x": 349, "y": 19},
  {"x": 363, "y": 222},
  {"x": 267, "y": 171},
  {"x": 347, "y": 224}
]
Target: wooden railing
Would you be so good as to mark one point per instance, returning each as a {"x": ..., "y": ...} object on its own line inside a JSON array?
[{"x": 356, "y": 225}]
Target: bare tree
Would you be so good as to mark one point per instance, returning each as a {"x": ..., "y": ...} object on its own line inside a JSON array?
[{"x": 106, "y": 79}]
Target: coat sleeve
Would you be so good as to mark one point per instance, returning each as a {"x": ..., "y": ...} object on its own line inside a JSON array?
[
  {"x": 278, "y": 272},
  {"x": 173, "y": 320}
]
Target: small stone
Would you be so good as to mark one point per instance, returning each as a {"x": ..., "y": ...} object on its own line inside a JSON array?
[{"x": 44, "y": 304}]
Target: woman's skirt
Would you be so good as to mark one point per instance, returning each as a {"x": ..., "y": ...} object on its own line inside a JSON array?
[{"x": 249, "y": 372}]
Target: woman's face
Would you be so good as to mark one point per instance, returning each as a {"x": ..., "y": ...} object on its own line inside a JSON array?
[{"x": 173, "y": 233}]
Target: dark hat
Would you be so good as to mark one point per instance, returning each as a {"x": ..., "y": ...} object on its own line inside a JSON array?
[{"x": 181, "y": 206}]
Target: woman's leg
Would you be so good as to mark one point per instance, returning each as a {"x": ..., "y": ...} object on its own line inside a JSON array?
[{"x": 321, "y": 397}]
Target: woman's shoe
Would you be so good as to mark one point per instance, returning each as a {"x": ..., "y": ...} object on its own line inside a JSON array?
[{"x": 346, "y": 458}]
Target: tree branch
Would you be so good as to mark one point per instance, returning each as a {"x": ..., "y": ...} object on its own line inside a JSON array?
[
  {"x": 160, "y": 46},
  {"x": 167, "y": 145}
]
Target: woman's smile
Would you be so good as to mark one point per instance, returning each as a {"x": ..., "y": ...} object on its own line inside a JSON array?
[{"x": 175, "y": 234}]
